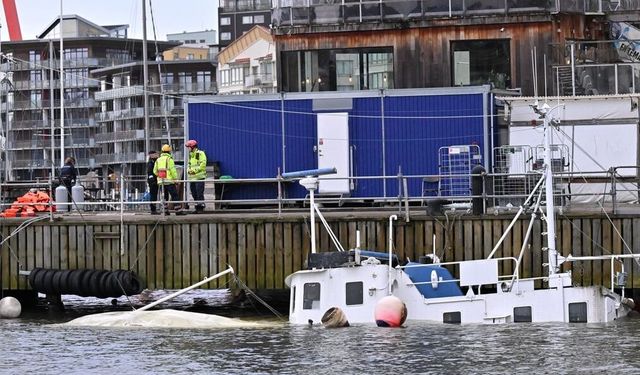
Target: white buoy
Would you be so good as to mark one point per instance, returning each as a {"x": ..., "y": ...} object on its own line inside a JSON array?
[
  {"x": 390, "y": 312},
  {"x": 10, "y": 308}
]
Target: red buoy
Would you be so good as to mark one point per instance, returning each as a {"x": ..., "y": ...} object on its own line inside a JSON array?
[{"x": 390, "y": 311}]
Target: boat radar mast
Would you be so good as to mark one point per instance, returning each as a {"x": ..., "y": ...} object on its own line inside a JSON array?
[{"x": 545, "y": 113}]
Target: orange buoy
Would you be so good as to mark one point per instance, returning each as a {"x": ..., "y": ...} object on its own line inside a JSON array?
[{"x": 390, "y": 311}]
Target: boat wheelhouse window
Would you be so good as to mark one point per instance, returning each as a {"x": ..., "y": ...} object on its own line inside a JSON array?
[
  {"x": 578, "y": 312},
  {"x": 353, "y": 292},
  {"x": 452, "y": 317},
  {"x": 293, "y": 300},
  {"x": 477, "y": 62},
  {"x": 522, "y": 314},
  {"x": 311, "y": 296}
]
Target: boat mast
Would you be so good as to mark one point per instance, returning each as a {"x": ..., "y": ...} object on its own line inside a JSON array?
[
  {"x": 545, "y": 111},
  {"x": 145, "y": 78}
]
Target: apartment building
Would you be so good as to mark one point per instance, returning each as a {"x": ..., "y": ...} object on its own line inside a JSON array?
[{"x": 35, "y": 140}]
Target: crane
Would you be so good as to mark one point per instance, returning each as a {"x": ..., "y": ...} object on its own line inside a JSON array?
[{"x": 13, "y": 23}]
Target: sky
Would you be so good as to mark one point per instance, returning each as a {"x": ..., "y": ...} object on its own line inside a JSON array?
[{"x": 171, "y": 16}]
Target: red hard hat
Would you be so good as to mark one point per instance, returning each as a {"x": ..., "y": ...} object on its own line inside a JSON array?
[{"x": 191, "y": 143}]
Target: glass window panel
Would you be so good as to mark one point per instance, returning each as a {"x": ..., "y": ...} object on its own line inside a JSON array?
[{"x": 479, "y": 62}]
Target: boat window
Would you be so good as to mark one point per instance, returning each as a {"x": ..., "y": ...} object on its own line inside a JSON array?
[
  {"x": 452, "y": 317},
  {"x": 522, "y": 314},
  {"x": 353, "y": 293},
  {"x": 578, "y": 312},
  {"x": 311, "y": 296},
  {"x": 293, "y": 299}
]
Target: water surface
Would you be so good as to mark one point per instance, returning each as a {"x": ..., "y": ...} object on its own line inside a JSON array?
[{"x": 34, "y": 343}]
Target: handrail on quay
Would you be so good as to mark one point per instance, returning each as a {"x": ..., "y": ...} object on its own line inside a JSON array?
[{"x": 498, "y": 191}]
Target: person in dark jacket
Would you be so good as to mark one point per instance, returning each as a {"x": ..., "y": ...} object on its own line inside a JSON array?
[
  {"x": 152, "y": 181},
  {"x": 68, "y": 175}
]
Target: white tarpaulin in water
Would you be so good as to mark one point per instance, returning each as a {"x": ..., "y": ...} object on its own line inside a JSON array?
[
  {"x": 163, "y": 319},
  {"x": 598, "y": 132}
]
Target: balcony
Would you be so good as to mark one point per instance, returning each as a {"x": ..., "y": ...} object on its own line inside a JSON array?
[
  {"x": 46, "y": 164},
  {"x": 45, "y": 84},
  {"x": 258, "y": 80},
  {"x": 310, "y": 12},
  {"x": 127, "y": 157},
  {"x": 28, "y": 124},
  {"x": 120, "y": 92},
  {"x": 46, "y": 104},
  {"x": 43, "y": 141},
  {"x": 122, "y": 136},
  {"x": 162, "y": 133},
  {"x": 189, "y": 88},
  {"x": 244, "y": 5},
  {"x": 287, "y": 13},
  {"x": 122, "y": 114}
]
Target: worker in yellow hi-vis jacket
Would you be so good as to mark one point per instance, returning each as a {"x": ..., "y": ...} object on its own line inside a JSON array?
[
  {"x": 165, "y": 170},
  {"x": 197, "y": 173}
]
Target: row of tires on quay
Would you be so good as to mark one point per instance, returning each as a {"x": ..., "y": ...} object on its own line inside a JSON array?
[{"x": 86, "y": 282}]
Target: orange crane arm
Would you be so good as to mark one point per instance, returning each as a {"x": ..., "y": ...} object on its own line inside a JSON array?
[{"x": 13, "y": 23}]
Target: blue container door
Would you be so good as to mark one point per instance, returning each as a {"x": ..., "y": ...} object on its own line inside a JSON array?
[{"x": 365, "y": 133}]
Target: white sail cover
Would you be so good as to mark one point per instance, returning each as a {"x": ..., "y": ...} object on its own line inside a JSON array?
[{"x": 167, "y": 318}]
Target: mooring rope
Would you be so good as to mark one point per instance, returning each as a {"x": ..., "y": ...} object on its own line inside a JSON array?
[
  {"x": 246, "y": 289},
  {"x": 20, "y": 227}
]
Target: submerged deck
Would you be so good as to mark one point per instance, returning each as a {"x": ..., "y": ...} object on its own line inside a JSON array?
[{"x": 171, "y": 252}]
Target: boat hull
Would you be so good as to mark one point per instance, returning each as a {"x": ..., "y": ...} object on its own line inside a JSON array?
[{"x": 357, "y": 290}]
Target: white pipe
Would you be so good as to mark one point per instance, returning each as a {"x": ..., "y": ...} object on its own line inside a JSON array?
[
  {"x": 391, "y": 219},
  {"x": 61, "y": 92},
  {"x": 182, "y": 291},
  {"x": 332, "y": 235},
  {"x": 313, "y": 220}
]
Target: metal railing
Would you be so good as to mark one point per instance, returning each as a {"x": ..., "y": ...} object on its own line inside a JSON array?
[{"x": 133, "y": 187}]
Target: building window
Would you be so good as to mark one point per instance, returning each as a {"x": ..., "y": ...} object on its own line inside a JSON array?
[
  {"x": 118, "y": 55},
  {"x": 225, "y": 77},
  {"x": 166, "y": 79},
  {"x": 337, "y": 70},
  {"x": 76, "y": 77},
  {"x": 478, "y": 62},
  {"x": 258, "y": 19},
  {"x": 203, "y": 80},
  {"x": 225, "y": 21},
  {"x": 36, "y": 99},
  {"x": 202, "y": 41},
  {"x": 34, "y": 56},
  {"x": 237, "y": 75},
  {"x": 225, "y": 36},
  {"x": 76, "y": 53},
  {"x": 185, "y": 80},
  {"x": 247, "y": 20}
]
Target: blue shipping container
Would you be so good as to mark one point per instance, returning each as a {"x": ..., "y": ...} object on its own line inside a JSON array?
[{"x": 390, "y": 132}]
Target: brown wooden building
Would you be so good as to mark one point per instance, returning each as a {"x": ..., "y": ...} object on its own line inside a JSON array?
[{"x": 360, "y": 44}]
